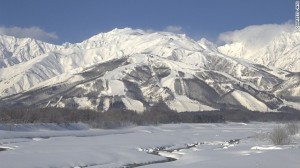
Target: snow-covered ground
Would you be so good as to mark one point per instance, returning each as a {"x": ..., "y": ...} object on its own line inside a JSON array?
[{"x": 172, "y": 145}]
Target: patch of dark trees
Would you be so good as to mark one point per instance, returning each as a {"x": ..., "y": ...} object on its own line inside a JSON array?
[{"x": 116, "y": 117}]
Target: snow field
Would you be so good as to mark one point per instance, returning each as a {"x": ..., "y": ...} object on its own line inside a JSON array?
[{"x": 190, "y": 145}]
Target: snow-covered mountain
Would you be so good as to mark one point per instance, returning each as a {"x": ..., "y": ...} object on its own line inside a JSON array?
[
  {"x": 17, "y": 50},
  {"x": 281, "y": 52},
  {"x": 135, "y": 69}
]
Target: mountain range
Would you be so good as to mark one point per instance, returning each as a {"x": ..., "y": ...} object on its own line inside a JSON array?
[{"x": 135, "y": 69}]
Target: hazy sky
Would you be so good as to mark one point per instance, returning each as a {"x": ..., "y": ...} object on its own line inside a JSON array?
[{"x": 75, "y": 20}]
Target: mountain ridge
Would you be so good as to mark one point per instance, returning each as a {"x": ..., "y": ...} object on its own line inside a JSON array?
[
  {"x": 134, "y": 69},
  {"x": 283, "y": 51}
]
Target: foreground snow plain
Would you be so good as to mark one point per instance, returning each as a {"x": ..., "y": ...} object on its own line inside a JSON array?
[{"x": 172, "y": 145}]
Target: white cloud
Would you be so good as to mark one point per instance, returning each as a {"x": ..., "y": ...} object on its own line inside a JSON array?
[
  {"x": 174, "y": 29},
  {"x": 256, "y": 35},
  {"x": 32, "y": 32}
]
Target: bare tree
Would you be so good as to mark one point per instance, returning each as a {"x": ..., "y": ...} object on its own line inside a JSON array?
[
  {"x": 279, "y": 136},
  {"x": 292, "y": 128}
]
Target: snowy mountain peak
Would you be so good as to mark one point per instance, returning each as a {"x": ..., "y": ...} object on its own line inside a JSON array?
[
  {"x": 281, "y": 51},
  {"x": 17, "y": 50},
  {"x": 134, "y": 69},
  {"x": 135, "y": 33},
  {"x": 206, "y": 44},
  {"x": 114, "y": 32},
  {"x": 130, "y": 41}
]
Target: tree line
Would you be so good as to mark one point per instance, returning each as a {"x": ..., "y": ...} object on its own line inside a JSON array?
[{"x": 114, "y": 118}]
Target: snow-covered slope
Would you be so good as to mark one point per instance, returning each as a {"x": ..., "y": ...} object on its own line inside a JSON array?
[
  {"x": 134, "y": 69},
  {"x": 17, "y": 50},
  {"x": 281, "y": 52}
]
